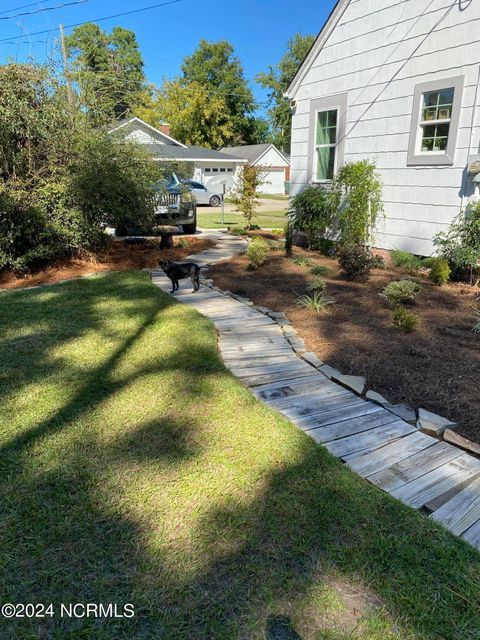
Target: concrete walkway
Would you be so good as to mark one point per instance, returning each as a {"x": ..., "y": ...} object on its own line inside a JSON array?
[{"x": 265, "y": 353}]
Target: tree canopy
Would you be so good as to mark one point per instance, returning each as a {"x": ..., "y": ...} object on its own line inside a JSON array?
[
  {"x": 108, "y": 69},
  {"x": 276, "y": 80},
  {"x": 214, "y": 66}
]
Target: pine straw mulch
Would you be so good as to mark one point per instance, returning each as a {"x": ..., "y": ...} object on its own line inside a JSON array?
[
  {"x": 436, "y": 367},
  {"x": 118, "y": 256}
]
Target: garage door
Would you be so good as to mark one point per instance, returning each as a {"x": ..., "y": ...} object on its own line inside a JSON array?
[{"x": 274, "y": 181}]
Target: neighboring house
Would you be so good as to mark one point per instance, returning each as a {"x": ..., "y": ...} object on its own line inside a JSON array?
[
  {"x": 396, "y": 82},
  {"x": 277, "y": 166},
  {"x": 210, "y": 167}
]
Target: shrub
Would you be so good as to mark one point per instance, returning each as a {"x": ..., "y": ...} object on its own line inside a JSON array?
[
  {"x": 357, "y": 191},
  {"x": 460, "y": 245},
  {"x": 319, "y": 270},
  {"x": 245, "y": 194},
  {"x": 313, "y": 212},
  {"x": 257, "y": 252},
  {"x": 355, "y": 261},
  {"x": 439, "y": 270},
  {"x": 400, "y": 291},
  {"x": 301, "y": 261},
  {"x": 406, "y": 261},
  {"x": 404, "y": 320},
  {"x": 318, "y": 301},
  {"x": 317, "y": 284}
]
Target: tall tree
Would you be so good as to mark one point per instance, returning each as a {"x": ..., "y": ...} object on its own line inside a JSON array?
[
  {"x": 195, "y": 115},
  {"x": 215, "y": 67},
  {"x": 276, "y": 80},
  {"x": 108, "y": 69}
]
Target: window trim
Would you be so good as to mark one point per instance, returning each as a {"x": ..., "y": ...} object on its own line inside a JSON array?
[
  {"x": 338, "y": 102},
  {"x": 435, "y": 158}
]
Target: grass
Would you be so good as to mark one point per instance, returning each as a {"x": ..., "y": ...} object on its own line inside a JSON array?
[
  {"x": 266, "y": 219},
  {"x": 135, "y": 469}
]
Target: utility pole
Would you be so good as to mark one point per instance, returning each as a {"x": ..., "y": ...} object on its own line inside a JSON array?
[{"x": 65, "y": 67}]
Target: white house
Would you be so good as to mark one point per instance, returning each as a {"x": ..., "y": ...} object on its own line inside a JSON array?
[
  {"x": 213, "y": 168},
  {"x": 277, "y": 166},
  {"x": 396, "y": 82}
]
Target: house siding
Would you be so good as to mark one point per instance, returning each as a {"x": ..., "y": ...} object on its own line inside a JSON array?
[{"x": 377, "y": 56}]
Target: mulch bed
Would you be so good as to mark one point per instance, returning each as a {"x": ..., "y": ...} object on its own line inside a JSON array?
[
  {"x": 118, "y": 256},
  {"x": 437, "y": 367}
]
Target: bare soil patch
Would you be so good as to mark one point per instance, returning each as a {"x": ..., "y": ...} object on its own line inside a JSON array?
[
  {"x": 118, "y": 256},
  {"x": 436, "y": 367}
]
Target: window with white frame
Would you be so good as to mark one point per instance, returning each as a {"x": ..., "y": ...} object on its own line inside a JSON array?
[
  {"x": 326, "y": 139},
  {"x": 326, "y": 144},
  {"x": 435, "y": 122}
]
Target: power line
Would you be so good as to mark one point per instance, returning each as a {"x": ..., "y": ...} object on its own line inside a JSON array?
[
  {"x": 24, "y": 6},
  {"x": 78, "y": 24},
  {"x": 30, "y": 13}
]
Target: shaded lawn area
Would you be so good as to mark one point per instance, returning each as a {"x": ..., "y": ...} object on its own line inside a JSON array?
[
  {"x": 135, "y": 469},
  {"x": 265, "y": 219}
]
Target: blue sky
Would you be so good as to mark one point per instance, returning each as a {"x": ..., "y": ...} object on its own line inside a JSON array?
[{"x": 258, "y": 29}]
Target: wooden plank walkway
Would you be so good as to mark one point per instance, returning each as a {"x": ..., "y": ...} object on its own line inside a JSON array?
[{"x": 413, "y": 467}]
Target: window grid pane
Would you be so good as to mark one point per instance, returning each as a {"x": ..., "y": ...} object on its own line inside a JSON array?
[
  {"x": 325, "y": 163},
  {"x": 437, "y": 107}
]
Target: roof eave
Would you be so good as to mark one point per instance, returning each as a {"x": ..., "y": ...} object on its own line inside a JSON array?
[
  {"x": 149, "y": 126},
  {"x": 331, "y": 22}
]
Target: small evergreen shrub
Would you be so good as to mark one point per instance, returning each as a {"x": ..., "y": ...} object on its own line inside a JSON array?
[
  {"x": 257, "y": 252},
  {"x": 319, "y": 270},
  {"x": 355, "y": 261},
  {"x": 439, "y": 271},
  {"x": 317, "y": 301},
  {"x": 317, "y": 284},
  {"x": 404, "y": 320},
  {"x": 400, "y": 291},
  {"x": 406, "y": 261},
  {"x": 313, "y": 212}
]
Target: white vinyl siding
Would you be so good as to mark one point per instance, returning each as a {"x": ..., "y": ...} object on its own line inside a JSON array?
[{"x": 380, "y": 55}]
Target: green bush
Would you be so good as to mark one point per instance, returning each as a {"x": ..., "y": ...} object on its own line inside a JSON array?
[
  {"x": 460, "y": 245},
  {"x": 318, "y": 301},
  {"x": 406, "y": 261},
  {"x": 378, "y": 262},
  {"x": 439, "y": 270},
  {"x": 28, "y": 238},
  {"x": 355, "y": 261},
  {"x": 404, "y": 320},
  {"x": 319, "y": 270},
  {"x": 400, "y": 291},
  {"x": 257, "y": 252},
  {"x": 317, "y": 284},
  {"x": 313, "y": 212}
]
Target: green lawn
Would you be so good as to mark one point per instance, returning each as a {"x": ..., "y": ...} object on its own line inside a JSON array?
[
  {"x": 266, "y": 219},
  {"x": 135, "y": 469}
]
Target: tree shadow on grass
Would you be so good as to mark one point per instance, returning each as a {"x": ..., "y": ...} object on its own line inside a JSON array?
[{"x": 70, "y": 531}]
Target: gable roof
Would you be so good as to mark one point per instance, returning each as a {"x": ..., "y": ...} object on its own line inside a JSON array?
[
  {"x": 252, "y": 152},
  {"x": 141, "y": 123},
  {"x": 330, "y": 24}
]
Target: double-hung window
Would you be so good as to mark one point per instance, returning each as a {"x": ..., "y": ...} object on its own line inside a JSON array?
[
  {"x": 436, "y": 116},
  {"x": 326, "y": 137}
]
